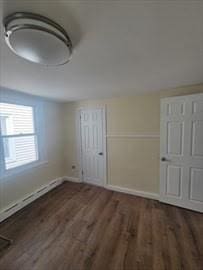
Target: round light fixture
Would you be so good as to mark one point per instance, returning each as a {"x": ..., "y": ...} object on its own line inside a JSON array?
[{"x": 37, "y": 39}]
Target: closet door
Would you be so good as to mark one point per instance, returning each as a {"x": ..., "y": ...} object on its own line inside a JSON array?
[
  {"x": 181, "y": 152},
  {"x": 92, "y": 146}
]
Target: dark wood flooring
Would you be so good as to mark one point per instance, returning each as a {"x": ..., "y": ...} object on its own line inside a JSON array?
[{"x": 78, "y": 226}]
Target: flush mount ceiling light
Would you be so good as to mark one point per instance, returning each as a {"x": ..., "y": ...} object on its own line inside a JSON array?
[{"x": 37, "y": 39}]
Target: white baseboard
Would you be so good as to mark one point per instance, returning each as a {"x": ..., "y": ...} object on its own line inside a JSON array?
[
  {"x": 140, "y": 193},
  {"x": 137, "y": 135},
  {"x": 14, "y": 207},
  {"x": 149, "y": 195},
  {"x": 72, "y": 179}
]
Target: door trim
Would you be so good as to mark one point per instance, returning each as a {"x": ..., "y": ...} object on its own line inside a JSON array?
[{"x": 79, "y": 144}]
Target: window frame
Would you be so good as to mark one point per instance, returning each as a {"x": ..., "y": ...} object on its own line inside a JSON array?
[
  {"x": 38, "y": 122},
  {"x": 12, "y": 154}
]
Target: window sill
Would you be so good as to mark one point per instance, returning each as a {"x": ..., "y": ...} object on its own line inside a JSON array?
[{"x": 23, "y": 169}]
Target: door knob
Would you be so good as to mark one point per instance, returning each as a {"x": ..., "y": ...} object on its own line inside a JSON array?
[
  {"x": 101, "y": 154},
  {"x": 164, "y": 159}
]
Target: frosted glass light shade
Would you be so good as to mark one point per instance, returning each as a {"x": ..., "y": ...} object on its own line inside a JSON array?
[{"x": 37, "y": 39}]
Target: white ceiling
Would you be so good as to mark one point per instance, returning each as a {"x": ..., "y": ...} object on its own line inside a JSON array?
[{"x": 121, "y": 48}]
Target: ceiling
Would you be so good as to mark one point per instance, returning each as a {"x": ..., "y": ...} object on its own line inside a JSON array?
[{"x": 120, "y": 48}]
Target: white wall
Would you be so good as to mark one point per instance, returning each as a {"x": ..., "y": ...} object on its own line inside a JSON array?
[{"x": 15, "y": 187}]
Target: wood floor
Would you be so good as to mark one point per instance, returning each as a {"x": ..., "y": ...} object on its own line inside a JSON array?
[{"x": 78, "y": 226}]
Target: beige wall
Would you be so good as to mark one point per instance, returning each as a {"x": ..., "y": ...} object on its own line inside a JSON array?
[
  {"x": 132, "y": 162},
  {"x": 19, "y": 185}
]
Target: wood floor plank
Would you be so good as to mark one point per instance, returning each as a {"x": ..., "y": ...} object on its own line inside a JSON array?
[{"x": 84, "y": 227}]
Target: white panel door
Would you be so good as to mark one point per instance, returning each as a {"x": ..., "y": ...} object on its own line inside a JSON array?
[
  {"x": 181, "y": 167},
  {"x": 93, "y": 145}
]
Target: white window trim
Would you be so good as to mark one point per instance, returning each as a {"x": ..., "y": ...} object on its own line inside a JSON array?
[
  {"x": 38, "y": 114},
  {"x": 10, "y": 119}
]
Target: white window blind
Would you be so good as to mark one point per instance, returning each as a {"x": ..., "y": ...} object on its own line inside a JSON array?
[{"x": 19, "y": 138}]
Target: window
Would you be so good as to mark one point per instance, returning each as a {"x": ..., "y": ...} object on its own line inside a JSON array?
[{"x": 20, "y": 137}]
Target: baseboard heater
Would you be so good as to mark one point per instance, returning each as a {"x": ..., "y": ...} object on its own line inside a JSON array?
[{"x": 27, "y": 200}]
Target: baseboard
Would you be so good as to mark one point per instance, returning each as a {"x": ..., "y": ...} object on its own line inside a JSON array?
[
  {"x": 149, "y": 195},
  {"x": 140, "y": 193},
  {"x": 137, "y": 135},
  {"x": 72, "y": 179},
  {"x": 11, "y": 209}
]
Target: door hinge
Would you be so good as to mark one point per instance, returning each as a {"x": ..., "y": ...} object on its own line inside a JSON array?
[{"x": 82, "y": 172}]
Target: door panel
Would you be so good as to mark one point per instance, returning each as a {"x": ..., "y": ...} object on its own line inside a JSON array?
[
  {"x": 176, "y": 108},
  {"x": 197, "y": 138},
  {"x": 181, "y": 150},
  {"x": 197, "y": 106},
  {"x": 196, "y": 184},
  {"x": 174, "y": 179},
  {"x": 175, "y": 137},
  {"x": 92, "y": 145}
]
